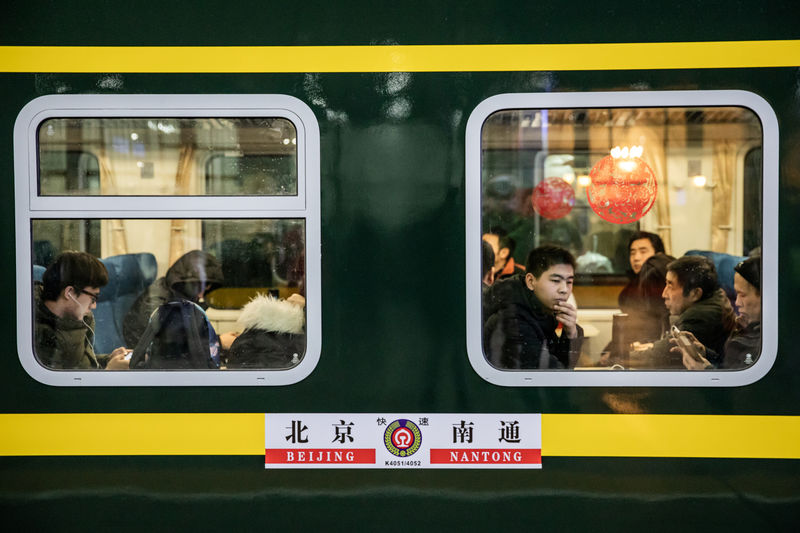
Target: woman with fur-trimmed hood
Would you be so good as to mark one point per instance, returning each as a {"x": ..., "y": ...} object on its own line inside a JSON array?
[{"x": 273, "y": 336}]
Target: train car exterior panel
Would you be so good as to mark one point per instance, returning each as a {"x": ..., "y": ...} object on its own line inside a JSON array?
[{"x": 392, "y": 89}]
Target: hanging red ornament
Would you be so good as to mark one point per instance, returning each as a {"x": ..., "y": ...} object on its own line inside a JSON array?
[
  {"x": 553, "y": 198},
  {"x": 623, "y": 187}
]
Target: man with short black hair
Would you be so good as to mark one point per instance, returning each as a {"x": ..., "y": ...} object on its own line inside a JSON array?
[
  {"x": 523, "y": 313},
  {"x": 503, "y": 247},
  {"x": 487, "y": 264},
  {"x": 743, "y": 347},
  {"x": 696, "y": 304},
  {"x": 64, "y": 325}
]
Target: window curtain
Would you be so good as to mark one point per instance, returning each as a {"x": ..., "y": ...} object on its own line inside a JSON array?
[
  {"x": 113, "y": 230},
  {"x": 652, "y": 141},
  {"x": 723, "y": 177},
  {"x": 178, "y": 232}
]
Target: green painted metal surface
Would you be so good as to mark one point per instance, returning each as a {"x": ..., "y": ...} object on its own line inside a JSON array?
[{"x": 393, "y": 282}]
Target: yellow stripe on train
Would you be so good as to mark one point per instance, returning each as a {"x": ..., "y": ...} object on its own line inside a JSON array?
[
  {"x": 403, "y": 58},
  {"x": 566, "y": 435}
]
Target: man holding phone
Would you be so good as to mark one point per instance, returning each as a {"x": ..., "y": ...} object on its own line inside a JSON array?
[
  {"x": 64, "y": 325},
  {"x": 743, "y": 347},
  {"x": 696, "y": 304}
]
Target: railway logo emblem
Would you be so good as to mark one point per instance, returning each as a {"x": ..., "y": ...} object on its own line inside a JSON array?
[{"x": 402, "y": 438}]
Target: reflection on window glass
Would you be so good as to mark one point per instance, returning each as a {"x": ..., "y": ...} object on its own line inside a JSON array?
[
  {"x": 272, "y": 175},
  {"x": 170, "y": 294},
  {"x": 256, "y": 256},
  {"x": 63, "y": 171},
  {"x": 158, "y": 156},
  {"x": 615, "y": 235}
]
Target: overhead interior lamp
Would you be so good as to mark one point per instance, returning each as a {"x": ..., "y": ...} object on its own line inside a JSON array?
[
  {"x": 699, "y": 179},
  {"x": 623, "y": 187}
]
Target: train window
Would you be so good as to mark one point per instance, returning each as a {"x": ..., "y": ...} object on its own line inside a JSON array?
[
  {"x": 182, "y": 228},
  {"x": 152, "y": 156},
  {"x": 620, "y": 238}
]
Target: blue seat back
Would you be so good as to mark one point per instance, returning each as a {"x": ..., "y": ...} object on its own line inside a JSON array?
[
  {"x": 128, "y": 276},
  {"x": 38, "y": 272},
  {"x": 724, "y": 264}
]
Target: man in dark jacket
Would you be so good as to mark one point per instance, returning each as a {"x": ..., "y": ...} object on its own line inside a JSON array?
[
  {"x": 64, "y": 325},
  {"x": 522, "y": 315},
  {"x": 696, "y": 304},
  {"x": 192, "y": 276},
  {"x": 743, "y": 347}
]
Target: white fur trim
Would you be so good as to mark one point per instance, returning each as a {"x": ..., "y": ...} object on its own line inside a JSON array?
[{"x": 270, "y": 314}]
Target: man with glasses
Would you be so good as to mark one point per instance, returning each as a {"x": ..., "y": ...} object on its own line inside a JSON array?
[{"x": 64, "y": 325}]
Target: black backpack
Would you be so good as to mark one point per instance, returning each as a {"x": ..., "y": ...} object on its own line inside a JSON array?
[{"x": 178, "y": 336}]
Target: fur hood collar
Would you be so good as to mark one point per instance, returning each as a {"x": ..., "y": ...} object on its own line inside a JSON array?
[{"x": 271, "y": 314}]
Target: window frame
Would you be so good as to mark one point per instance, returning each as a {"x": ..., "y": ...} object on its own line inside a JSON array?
[
  {"x": 30, "y": 205},
  {"x": 627, "y": 378}
]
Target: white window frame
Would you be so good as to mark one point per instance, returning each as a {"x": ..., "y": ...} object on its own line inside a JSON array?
[
  {"x": 627, "y": 378},
  {"x": 30, "y": 205}
]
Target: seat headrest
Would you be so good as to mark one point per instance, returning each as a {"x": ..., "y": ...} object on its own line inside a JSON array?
[{"x": 128, "y": 274}]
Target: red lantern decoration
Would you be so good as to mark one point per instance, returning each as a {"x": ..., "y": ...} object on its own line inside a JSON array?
[
  {"x": 623, "y": 187},
  {"x": 553, "y": 198}
]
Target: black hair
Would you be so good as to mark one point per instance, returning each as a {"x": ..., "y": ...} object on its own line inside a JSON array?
[
  {"x": 750, "y": 270},
  {"x": 76, "y": 269},
  {"x": 507, "y": 242},
  {"x": 655, "y": 240},
  {"x": 543, "y": 257},
  {"x": 503, "y": 239},
  {"x": 695, "y": 272},
  {"x": 494, "y": 230},
  {"x": 488, "y": 257}
]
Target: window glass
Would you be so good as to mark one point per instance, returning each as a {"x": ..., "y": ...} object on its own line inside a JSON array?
[
  {"x": 615, "y": 234},
  {"x": 64, "y": 171},
  {"x": 271, "y": 175},
  {"x": 257, "y": 256},
  {"x": 157, "y": 156},
  {"x": 221, "y": 265}
]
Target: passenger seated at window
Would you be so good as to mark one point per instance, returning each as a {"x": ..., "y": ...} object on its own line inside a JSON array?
[
  {"x": 503, "y": 247},
  {"x": 191, "y": 277},
  {"x": 64, "y": 324},
  {"x": 744, "y": 344},
  {"x": 696, "y": 304},
  {"x": 641, "y": 299},
  {"x": 178, "y": 335},
  {"x": 487, "y": 264},
  {"x": 523, "y": 314},
  {"x": 273, "y": 336}
]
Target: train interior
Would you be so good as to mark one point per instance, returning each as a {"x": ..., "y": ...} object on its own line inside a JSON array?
[
  {"x": 704, "y": 196},
  {"x": 136, "y": 157}
]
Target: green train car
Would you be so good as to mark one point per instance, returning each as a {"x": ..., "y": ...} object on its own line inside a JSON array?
[{"x": 317, "y": 185}]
